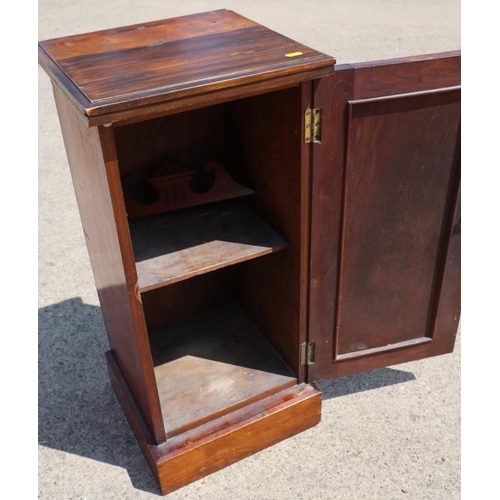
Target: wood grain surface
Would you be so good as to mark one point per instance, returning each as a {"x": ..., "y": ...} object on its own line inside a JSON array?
[
  {"x": 174, "y": 247},
  {"x": 225, "y": 439},
  {"x": 272, "y": 289},
  {"x": 400, "y": 159},
  {"x": 188, "y": 299},
  {"x": 382, "y": 232},
  {"x": 134, "y": 66},
  {"x": 94, "y": 170},
  {"x": 211, "y": 366}
]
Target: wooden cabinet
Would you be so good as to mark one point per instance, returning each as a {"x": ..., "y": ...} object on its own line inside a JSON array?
[{"x": 257, "y": 219}]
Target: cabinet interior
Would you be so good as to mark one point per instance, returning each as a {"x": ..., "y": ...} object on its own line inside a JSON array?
[{"x": 220, "y": 282}]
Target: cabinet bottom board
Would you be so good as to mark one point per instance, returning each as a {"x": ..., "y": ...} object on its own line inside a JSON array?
[
  {"x": 224, "y": 440},
  {"x": 212, "y": 365}
]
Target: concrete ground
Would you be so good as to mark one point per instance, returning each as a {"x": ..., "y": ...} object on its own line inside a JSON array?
[{"x": 388, "y": 434}]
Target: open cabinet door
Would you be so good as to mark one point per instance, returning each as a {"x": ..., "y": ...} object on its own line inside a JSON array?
[{"x": 385, "y": 226}]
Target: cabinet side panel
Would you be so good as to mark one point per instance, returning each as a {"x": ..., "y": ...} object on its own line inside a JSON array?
[
  {"x": 95, "y": 174},
  {"x": 264, "y": 136}
]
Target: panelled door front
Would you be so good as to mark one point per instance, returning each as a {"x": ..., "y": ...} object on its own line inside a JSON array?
[{"x": 385, "y": 227}]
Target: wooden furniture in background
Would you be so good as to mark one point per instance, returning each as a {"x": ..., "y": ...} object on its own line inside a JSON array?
[{"x": 333, "y": 249}]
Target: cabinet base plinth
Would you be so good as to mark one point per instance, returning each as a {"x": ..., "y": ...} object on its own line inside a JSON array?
[{"x": 223, "y": 441}]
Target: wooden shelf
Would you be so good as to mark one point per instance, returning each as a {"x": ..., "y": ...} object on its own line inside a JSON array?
[
  {"x": 212, "y": 366},
  {"x": 177, "y": 246}
]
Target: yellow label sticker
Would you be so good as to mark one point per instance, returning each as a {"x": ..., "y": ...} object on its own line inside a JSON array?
[{"x": 293, "y": 54}]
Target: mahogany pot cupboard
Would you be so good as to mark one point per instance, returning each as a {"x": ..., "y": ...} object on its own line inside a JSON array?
[{"x": 257, "y": 218}]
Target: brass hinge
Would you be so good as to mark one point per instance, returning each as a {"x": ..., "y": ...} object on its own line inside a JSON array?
[
  {"x": 307, "y": 353},
  {"x": 312, "y": 132}
]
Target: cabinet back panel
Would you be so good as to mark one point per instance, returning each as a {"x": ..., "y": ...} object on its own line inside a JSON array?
[
  {"x": 169, "y": 305},
  {"x": 187, "y": 139}
]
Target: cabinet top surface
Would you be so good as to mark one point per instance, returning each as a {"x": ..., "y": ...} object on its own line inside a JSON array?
[{"x": 144, "y": 64}]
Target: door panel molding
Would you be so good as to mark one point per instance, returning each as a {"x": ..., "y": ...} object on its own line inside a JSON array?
[{"x": 418, "y": 92}]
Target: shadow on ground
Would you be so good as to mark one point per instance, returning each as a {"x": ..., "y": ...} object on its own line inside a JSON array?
[
  {"x": 365, "y": 381},
  {"x": 78, "y": 411}
]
